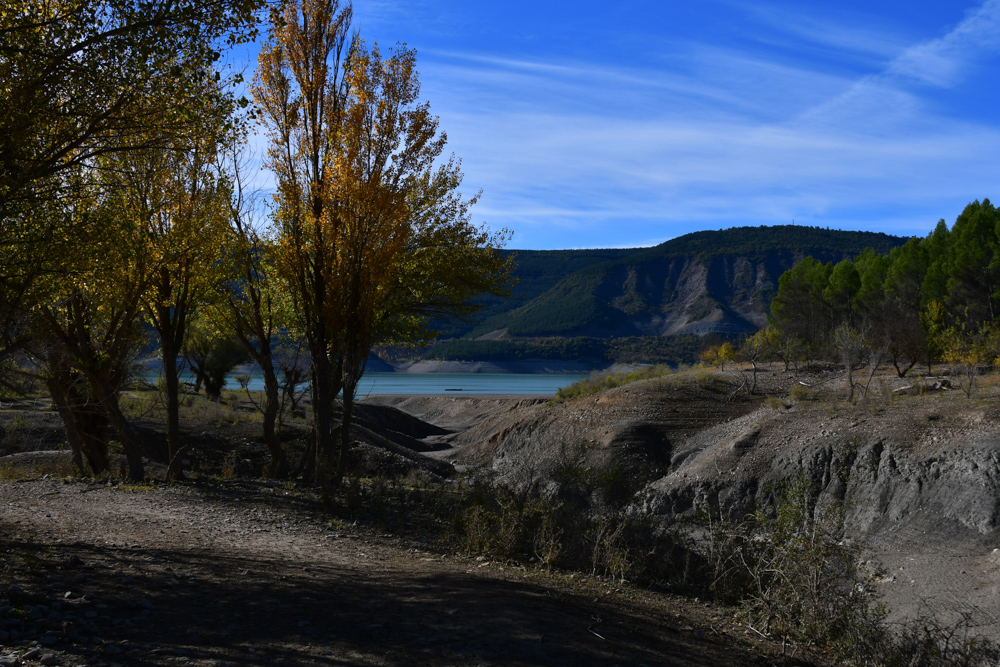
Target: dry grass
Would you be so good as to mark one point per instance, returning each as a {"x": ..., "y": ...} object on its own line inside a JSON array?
[
  {"x": 60, "y": 467},
  {"x": 598, "y": 383}
]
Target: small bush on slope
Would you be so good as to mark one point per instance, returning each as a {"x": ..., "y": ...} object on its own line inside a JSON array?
[
  {"x": 794, "y": 576},
  {"x": 601, "y": 383}
]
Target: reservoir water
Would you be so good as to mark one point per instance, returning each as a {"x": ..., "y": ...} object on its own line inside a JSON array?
[{"x": 457, "y": 384}]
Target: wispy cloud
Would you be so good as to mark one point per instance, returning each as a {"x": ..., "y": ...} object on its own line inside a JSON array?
[
  {"x": 845, "y": 34},
  {"x": 729, "y": 137},
  {"x": 826, "y": 118},
  {"x": 941, "y": 62}
]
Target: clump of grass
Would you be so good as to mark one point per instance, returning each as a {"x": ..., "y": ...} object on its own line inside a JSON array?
[
  {"x": 603, "y": 382},
  {"x": 798, "y": 393},
  {"x": 229, "y": 465},
  {"x": 63, "y": 467},
  {"x": 14, "y": 431},
  {"x": 704, "y": 378},
  {"x": 775, "y": 403}
]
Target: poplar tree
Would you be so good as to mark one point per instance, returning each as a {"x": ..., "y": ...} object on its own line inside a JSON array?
[{"x": 373, "y": 239}]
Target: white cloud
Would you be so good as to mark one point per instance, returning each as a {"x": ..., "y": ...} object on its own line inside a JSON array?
[
  {"x": 846, "y": 34},
  {"x": 942, "y": 62},
  {"x": 573, "y": 154},
  {"x": 733, "y": 137}
]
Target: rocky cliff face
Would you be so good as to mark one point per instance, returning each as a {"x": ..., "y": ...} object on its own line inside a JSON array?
[
  {"x": 700, "y": 283},
  {"x": 633, "y": 430},
  {"x": 885, "y": 469},
  {"x": 919, "y": 485},
  {"x": 689, "y": 295},
  {"x": 918, "y": 480}
]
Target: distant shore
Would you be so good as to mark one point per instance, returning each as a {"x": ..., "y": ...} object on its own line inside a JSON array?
[
  {"x": 528, "y": 366},
  {"x": 440, "y": 366}
]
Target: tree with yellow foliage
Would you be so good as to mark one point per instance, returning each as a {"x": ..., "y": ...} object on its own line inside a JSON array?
[
  {"x": 969, "y": 351},
  {"x": 182, "y": 205},
  {"x": 719, "y": 355},
  {"x": 86, "y": 330},
  {"x": 373, "y": 240},
  {"x": 300, "y": 90},
  {"x": 408, "y": 250}
]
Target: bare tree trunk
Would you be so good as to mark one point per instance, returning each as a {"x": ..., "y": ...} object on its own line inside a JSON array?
[
  {"x": 278, "y": 467},
  {"x": 126, "y": 435},
  {"x": 350, "y": 386},
  {"x": 323, "y": 398},
  {"x": 175, "y": 469},
  {"x": 73, "y": 437},
  {"x": 85, "y": 426}
]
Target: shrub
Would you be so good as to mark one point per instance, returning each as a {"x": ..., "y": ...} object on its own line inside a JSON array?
[
  {"x": 601, "y": 383},
  {"x": 798, "y": 392},
  {"x": 793, "y": 576},
  {"x": 704, "y": 379},
  {"x": 927, "y": 643},
  {"x": 587, "y": 528},
  {"x": 230, "y": 464},
  {"x": 775, "y": 403}
]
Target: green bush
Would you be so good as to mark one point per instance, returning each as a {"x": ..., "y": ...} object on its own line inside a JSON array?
[
  {"x": 705, "y": 379},
  {"x": 798, "y": 393},
  {"x": 602, "y": 383},
  {"x": 775, "y": 403}
]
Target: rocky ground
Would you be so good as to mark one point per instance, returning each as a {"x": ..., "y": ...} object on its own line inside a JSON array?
[
  {"x": 225, "y": 569},
  {"x": 240, "y": 573},
  {"x": 914, "y": 466}
]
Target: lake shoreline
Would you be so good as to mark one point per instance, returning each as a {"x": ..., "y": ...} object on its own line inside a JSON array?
[
  {"x": 441, "y": 383},
  {"x": 514, "y": 367},
  {"x": 525, "y": 367}
]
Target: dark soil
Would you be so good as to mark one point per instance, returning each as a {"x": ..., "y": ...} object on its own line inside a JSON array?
[{"x": 239, "y": 573}]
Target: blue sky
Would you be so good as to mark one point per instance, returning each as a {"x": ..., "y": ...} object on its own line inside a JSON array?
[{"x": 593, "y": 124}]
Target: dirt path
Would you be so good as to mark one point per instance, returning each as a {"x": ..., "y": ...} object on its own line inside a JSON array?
[{"x": 252, "y": 575}]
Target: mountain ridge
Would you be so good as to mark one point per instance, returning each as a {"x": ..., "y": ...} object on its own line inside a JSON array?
[{"x": 700, "y": 283}]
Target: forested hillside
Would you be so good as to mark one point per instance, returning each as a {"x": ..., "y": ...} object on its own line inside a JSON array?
[
  {"x": 537, "y": 271},
  {"x": 705, "y": 282},
  {"x": 931, "y": 299}
]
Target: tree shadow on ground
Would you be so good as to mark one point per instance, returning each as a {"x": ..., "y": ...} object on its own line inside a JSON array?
[{"x": 225, "y": 610}]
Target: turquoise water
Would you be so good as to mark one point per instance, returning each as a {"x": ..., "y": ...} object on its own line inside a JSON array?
[{"x": 439, "y": 383}]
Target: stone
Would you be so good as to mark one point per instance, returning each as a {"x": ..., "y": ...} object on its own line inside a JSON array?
[{"x": 49, "y": 660}]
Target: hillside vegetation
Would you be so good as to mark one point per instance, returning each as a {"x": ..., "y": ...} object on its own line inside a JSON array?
[
  {"x": 705, "y": 282},
  {"x": 681, "y": 348},
  {"x": 933, "y": 299}
]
